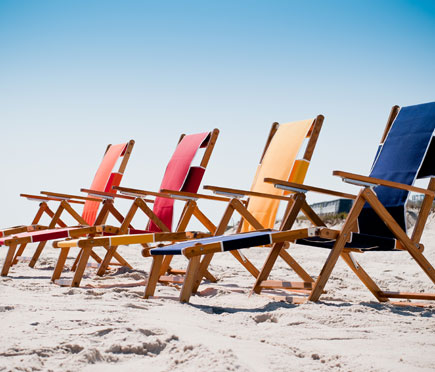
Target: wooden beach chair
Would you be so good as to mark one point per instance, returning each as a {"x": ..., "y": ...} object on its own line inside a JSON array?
[
  {"x": 280, "y": 158},
  {"x": 376, "y": 221},
  {"x": 105, "y": 178},
  {"x": 180, "y": 175}
]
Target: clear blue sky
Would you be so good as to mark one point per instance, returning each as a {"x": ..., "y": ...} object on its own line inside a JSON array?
[{"x": 76, "y": 75}]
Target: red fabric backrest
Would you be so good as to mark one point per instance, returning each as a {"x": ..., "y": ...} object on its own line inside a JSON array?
[
  {"x": 102, "y": 179},
  {"x": 179, "y": 174},
  {"x": 193, "y": 179},
  {"x": 114, "y": 180}
]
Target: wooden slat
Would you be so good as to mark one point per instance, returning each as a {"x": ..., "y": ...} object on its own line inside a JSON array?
[
  {"x": 126, "y": 156},
  {"x": 194, "y": 195},
  {"x": 286, "y": 285},
  {"x": 245, "y": 192},
  {"x": 309, "y": 188},
  {"x": 46, "y": 198},
  {"x": 393, "y": 114},
  {"x": 107, "y": 194},
  {"x": 317, "y": 126},
  {"x": 410, "y": 295},
  {"x": 69, "y": 196},
  {"x": 210, "y": 147},
  {"x": 381, "y": 182},
  {"x": 272, "y": 132}
]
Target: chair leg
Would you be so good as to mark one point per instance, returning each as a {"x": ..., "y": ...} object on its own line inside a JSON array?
[
  {"x": 200, "y": 271},
  {"x": 166, "y": 269},
  {"x": 248, "y": 265},
  {"x": 96, "y": 257},
  {"x": 189, "y": 280},
  {"x": 106, "y": 261},
  {"x": 76, "y": 261},
  {"x": 295, "y": 266},
  {"x": 9, "y": 259},
  {"x": 154, "y": 276},
  {"x": 19, "y": 253},
  {"x": 363, "y": 276},
  {"x": 165, "y": 265},
  {"x": 37, "y": 253},
  {"x": 78, "y": 275},
  {"x": 60, "y": 264},
  {"x": 337, "y": 249},
  {"x": 267, "y": 267}
]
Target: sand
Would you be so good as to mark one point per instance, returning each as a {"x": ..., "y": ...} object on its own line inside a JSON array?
[{"x": 50, "y": 328}]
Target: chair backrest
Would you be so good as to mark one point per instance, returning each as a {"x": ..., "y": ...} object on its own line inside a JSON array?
[
  {"x": 180, "y": 175},
  {"x": 406, "y": 152},
  {"x": 279, "y": 160},
  {"x": 106, "y": 178}
]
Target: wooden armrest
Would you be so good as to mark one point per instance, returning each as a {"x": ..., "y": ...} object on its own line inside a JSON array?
[
  {"x": 381, "y": 182},
  {"x": 308, "y": 188},
  {"x": 128, "y": 190},
  {"x": 190, "y": 195},
  {"x": 109, "y": 195},
  {"x": 47, "y": 198},
  {"x": 68, "y": 196},
  {"x": 169, "y": 194},
  {"x": 227, "y": 190}
]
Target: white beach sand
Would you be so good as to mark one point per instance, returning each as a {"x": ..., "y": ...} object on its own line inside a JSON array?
[{"x": 47, "y": 327}]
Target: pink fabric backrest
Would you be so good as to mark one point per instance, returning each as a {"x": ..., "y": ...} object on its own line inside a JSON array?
[
  {"x": 104, "y": 180},
  {"x": 179, "y": 176}
]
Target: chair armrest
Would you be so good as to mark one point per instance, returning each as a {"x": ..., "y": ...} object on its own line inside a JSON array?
[
  {"x": 170, "y": 194},
  {"x": 60, "y": 196},
  {"x": 296, "y": 187},
  {"x": 190, "y": 195},
  {"x": 368, "y": 181},
  {"x": 109, "y": 195},
  {"x": 40, "y": 198},
  {"x": 137, "y": 193},
  {"x": 239, "y": 192}
]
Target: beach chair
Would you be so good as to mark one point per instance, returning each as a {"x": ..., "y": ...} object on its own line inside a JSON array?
[
  {"x": 180, "y": 175},
  {"x": 105, "y": 178},
  {"x": 279, "y": 158},
  {"x": 376, "y": 222}
]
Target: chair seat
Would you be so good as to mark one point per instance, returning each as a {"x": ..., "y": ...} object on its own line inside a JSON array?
[
  {"x": 358, "y": 241},
  {"x": 41, "y": 235},
  {"x": 228, "y": 243}
]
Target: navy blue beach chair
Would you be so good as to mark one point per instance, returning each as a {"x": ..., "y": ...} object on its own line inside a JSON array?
[{"x": 376, "y": 222}]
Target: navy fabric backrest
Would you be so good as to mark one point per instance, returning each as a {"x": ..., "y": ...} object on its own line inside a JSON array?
[{"x": 406, "y": 153}]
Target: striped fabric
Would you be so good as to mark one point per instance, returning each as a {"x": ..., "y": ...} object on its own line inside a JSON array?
[{"x": 228, "y": 243}]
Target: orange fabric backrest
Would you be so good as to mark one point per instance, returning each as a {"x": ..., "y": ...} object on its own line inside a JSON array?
[
  {"x": 279, "y": 162},
  {"x": 102, "y": 178}
]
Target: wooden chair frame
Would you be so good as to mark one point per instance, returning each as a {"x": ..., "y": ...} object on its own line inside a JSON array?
[
  {"x": 190, "y": 209},
  {"x": 18, "y": 245},
  {"x": 160, "y": 264},
  {"x": 312, "y": 290},
  {"x": 367, "y": 195}
]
